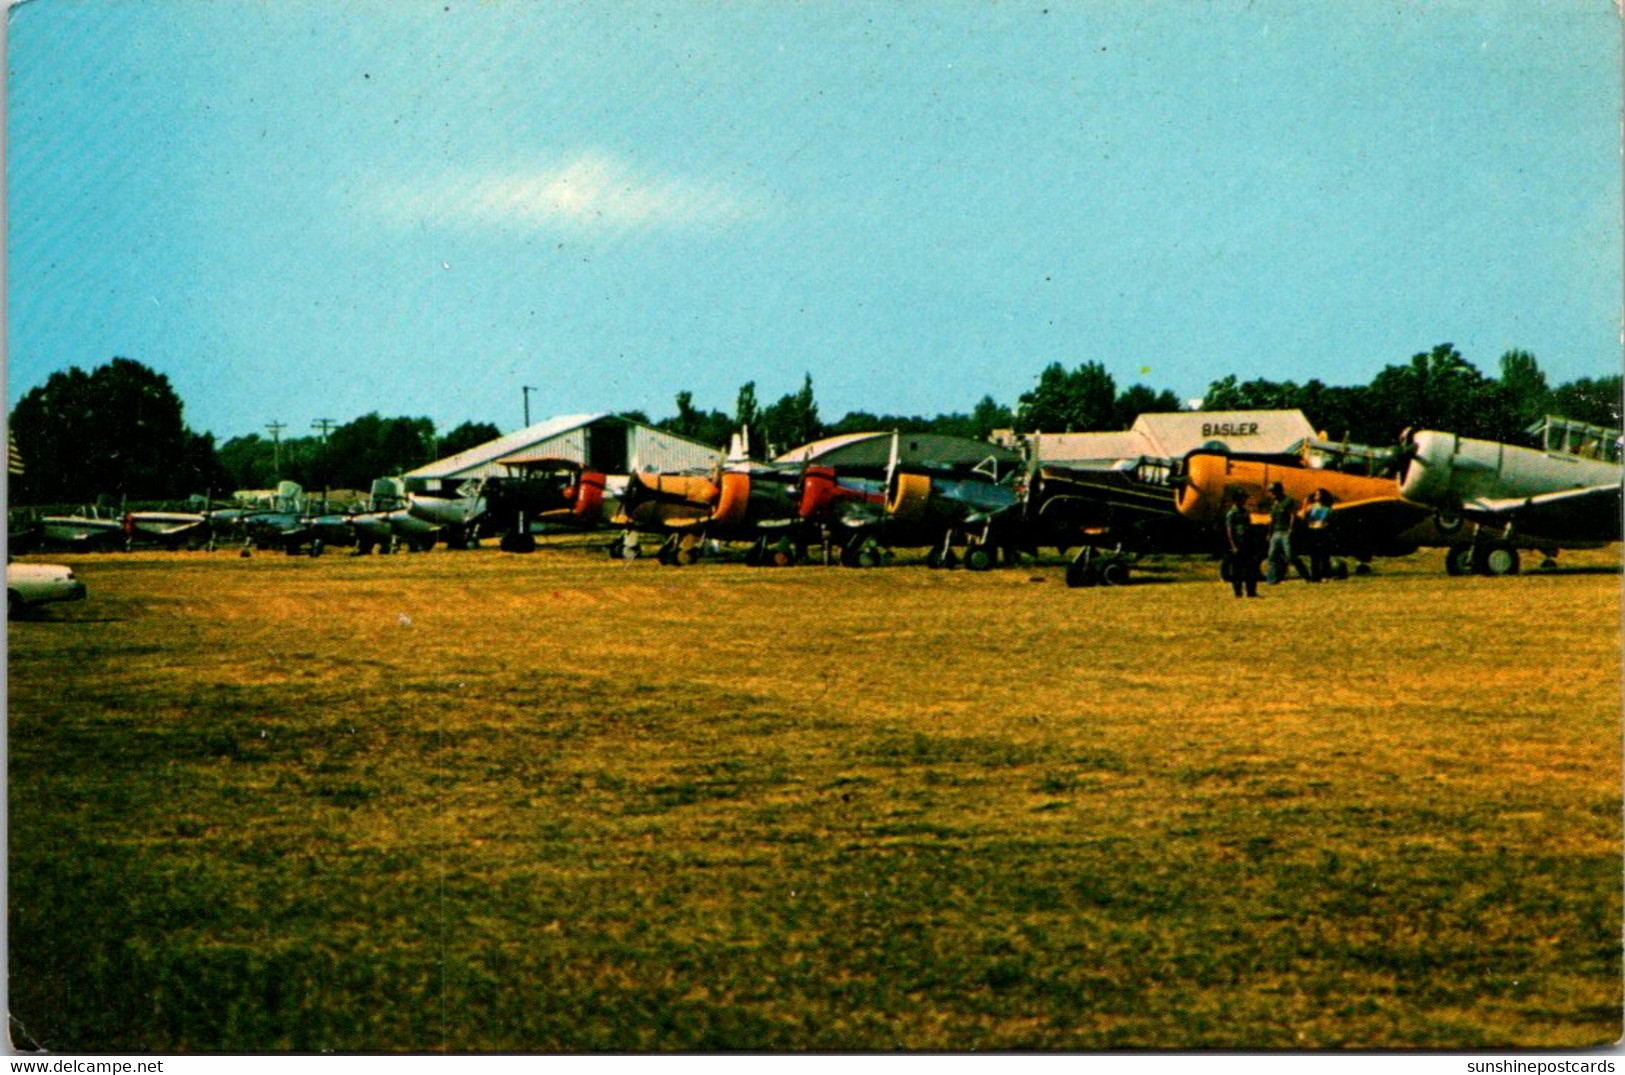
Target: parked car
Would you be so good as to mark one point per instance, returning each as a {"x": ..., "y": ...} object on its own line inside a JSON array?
[{"x": 28, "y": 585}]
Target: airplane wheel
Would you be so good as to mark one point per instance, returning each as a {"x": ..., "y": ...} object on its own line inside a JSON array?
[
  {"x": 316, "y": 548},
  {"x": 753, "y": 556},
  {"x": 1114, "y": 573},
  {"x": 869, "y": 558},
  {"x": 688, "y": 556},
  {"x": 1498, "y": 559},
  {"x": 950, "y": 560},
  {"x": 1362, "y": 569},
  {"x": 933, "y": 559},
  {"x": 1459, "y": 561},
  {"x": 783, "y": 557},
  {"x": 520, "y": 543},
  {"x": 1447, "y": 522},
  {"x": 978, "y": 558},
  {"x": 1081, "y": 573}
]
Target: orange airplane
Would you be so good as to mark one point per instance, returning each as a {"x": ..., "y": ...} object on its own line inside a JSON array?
[{"x": 1369, "y": 517}]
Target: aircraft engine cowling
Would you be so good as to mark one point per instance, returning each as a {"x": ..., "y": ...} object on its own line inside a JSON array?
[
  {"x": 1203, "y": 496},
  {"x": 1427, "y": 475},
  {"x": 733, "y": 501},
  {"x": 817, "y": 493},
  {"x": 589, "y": 499},
  {"x": 909, "y": 497}
]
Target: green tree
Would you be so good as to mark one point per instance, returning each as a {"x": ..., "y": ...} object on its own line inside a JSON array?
[
  {"x": 1589, "y": 399},
  {"x": 1523, "y": 385},
  {"x": 707, "y": 427},
  {"x": 118, "y": 431},
  {"x": 1139, "y": 399},
  {"x": 1439, "y": 389},
  {"x": 1079, "y": 401},
  {"x": 792, "y": 420},
  {"x": 989, "y": 415},
  {"x": 466, "y": 436}
]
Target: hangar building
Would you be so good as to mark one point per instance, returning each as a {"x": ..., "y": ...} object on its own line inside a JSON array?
[
  {"x": 607, "y": 443},
  {"x": 1172, "y": 435}
]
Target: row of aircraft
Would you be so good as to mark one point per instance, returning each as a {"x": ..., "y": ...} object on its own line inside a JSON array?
[{"x": 1484, "y": 501}]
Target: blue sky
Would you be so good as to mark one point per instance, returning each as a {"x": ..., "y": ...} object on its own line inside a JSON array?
[{"x": 300, "y": 210}]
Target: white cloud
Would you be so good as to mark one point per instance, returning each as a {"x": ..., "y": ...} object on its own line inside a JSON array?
[{"x": 593, "y": 191}]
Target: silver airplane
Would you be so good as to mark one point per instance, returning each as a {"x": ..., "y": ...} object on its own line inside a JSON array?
[{"x": 1566, "y": 494}]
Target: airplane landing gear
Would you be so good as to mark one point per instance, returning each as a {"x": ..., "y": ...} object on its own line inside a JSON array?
[
  {"x": 1496, "y": 558},
  {"x": 1090, "y": 569}
]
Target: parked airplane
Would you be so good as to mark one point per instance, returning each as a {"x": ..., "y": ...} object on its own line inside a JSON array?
[
  {"x": 86, "y": 532},
  {"x": 1370, "y": 517},
  {"x": 938, "y": 509},
  {"x": 739, "y": 501},
  {"x": 1565, "y": 494},
  {"x": 456, "y": 517},
  {"x": 550, "y": 494},
  {"x": 171, "y": 529},
  {"x": 386, "y": 524},
  {"x": 1112, "y": 514}
]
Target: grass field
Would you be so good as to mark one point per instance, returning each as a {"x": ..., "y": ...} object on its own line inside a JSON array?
[{"x": 471, "y": 802}]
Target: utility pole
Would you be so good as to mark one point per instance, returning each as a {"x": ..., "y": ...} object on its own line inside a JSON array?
[
  {"x": 323, "y": 426},
  {"x": 527, "y": 390},
  {"x": 275, "y": 429}
]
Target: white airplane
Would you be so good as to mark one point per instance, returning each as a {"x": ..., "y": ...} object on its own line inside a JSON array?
[
  {"x": 1565, "y": 494},
  {"x": 455, "y": 516}
]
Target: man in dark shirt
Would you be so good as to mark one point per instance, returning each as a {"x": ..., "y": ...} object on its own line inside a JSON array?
[
  {"x": 1283, "y": 514},
  {"x": 1242, "y": 537}
]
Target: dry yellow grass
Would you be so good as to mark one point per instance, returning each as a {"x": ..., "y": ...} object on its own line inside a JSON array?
[{"x": 559, "y": 802}]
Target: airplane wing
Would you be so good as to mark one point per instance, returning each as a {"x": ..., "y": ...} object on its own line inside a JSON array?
[
  {"x": 1588, "y": 514},
  {"x": 1375, "y": 525}
]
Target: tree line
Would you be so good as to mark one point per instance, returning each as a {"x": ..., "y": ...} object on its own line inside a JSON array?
[{"x": 118, "y": 432}]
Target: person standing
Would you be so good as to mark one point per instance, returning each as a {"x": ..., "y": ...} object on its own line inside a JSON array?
[
  {"x": 1283, "y": 514},
  {"x": 1242, "y": 538},
  {"x": 1317, "y": 521}
]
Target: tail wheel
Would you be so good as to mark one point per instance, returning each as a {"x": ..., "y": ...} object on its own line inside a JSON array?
[{"x": 978, "y": 558}]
